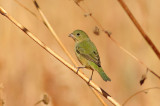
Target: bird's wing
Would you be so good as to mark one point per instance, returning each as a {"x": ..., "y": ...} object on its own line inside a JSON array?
[{"x": 88, "y": 51}]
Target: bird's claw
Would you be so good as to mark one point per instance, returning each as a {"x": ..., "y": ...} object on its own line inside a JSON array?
[{"x": 89, "y": 81}]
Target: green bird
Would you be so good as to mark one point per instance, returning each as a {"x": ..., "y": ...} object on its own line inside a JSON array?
[{"x": 87, "y": 53}]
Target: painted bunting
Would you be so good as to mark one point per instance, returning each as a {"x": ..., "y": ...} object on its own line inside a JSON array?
[{"x": 87, "y": 53}]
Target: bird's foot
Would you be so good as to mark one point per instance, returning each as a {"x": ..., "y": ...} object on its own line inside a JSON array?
[
  {"x": 78, "y": 69},
  {"x": 90, "y": 78}
]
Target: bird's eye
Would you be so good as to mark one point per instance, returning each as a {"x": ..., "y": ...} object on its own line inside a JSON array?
[{"x": 78, "y": 34}]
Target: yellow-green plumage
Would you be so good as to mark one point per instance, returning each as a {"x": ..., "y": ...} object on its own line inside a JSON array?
[{"x": 87, "y": 54}]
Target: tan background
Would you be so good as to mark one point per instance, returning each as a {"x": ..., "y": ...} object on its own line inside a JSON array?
[{"x": 27, "y": 71}]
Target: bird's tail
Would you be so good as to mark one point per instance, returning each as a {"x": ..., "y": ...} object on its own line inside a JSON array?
[{"x": 101, "y": 72}]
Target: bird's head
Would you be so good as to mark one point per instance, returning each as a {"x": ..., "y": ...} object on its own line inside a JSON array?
[{"x": 78, "y": 35}]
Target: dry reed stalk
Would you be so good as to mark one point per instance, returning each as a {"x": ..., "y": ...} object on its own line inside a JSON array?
[
  {"x": 140, "y": 29},
  {"x": 44, "y": 46}
]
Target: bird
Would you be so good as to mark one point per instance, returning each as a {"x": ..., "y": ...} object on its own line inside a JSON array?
[{"x": 87, "y": 54}]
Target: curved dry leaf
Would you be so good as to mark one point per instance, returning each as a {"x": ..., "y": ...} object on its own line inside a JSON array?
[
  {"x": 45, "y": 99},
  {"x": 96, "y": 30},
  {"x": 143, "y": 79}
]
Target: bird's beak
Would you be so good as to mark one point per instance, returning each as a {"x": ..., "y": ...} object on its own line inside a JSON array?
[{"x": 70, "y": 35}]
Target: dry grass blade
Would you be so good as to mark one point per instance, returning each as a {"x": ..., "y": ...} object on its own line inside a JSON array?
[
  {"x": 139, "y": 93},
  {"x": 138, "y": 26},
  {"x": 40, "y": 43}
]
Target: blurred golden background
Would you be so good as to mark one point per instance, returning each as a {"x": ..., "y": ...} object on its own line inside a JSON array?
[{"x": 27, "y": 71}]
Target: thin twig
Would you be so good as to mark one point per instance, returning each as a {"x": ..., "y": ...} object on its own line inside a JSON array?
[
  {"x": 44, "y": 46},
  {"x": 138, "y": 93},
  {"x": 126, "y": 51},
  {"x": 140, "y": 29},
  {"x": 135, "y": 58},
  {"x": 46, "y": 23},
  {"x": 26, "y": 8},
  {"x": 23, "y": 6}
]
